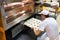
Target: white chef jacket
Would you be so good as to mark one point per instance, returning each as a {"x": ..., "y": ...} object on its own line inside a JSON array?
[{"x": 50, "y": 25}]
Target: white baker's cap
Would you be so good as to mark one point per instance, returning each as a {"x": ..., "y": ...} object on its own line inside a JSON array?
[{"x": 45, "y": 12}]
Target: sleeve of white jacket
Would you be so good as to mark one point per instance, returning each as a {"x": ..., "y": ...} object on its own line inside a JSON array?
[{"x": 42, "y": 26}]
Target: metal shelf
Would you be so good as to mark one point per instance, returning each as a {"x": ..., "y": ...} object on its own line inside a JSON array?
[{"x": 11, "y": 24}]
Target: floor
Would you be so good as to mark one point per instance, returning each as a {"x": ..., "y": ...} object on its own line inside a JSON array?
[
  {"x": 27, "y": 37},
  {"x": 24, "y": 37}
]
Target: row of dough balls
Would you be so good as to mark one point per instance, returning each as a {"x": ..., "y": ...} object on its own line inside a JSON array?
[{"x": 32, "y": 22}]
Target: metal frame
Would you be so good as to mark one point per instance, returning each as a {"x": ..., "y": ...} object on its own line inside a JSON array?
[{"x": 3, "y": 14}]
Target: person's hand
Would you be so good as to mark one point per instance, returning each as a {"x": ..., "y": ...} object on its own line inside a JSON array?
[{"x": 32, "y": 28}]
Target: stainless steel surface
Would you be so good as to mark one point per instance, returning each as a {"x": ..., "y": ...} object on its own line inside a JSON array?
[
  {"x": 3, "y": 15},
  {"x": 17, "y": 30}
]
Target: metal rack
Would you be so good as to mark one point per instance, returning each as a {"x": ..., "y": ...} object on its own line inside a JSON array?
[{"x": 9, "y": 25}]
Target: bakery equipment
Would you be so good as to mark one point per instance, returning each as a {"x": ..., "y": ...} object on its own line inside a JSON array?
[{"x": 13, "y": 12}]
